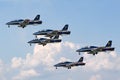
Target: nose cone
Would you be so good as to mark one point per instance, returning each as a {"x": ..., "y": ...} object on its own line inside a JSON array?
[
  {"x": 56, "y": 65},
  {"x": 29, "y": 41},
  {"x": 36, "y": 33},
  {"x": 7, "y": 23},
  {"x": 32, "y": 41},
  {"x": 78, "y": 50}
]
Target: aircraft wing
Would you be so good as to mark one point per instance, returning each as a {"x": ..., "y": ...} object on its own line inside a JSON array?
[
  {"x": 51, "y": 34},
  {"x": 71, "y": 64},
  {"x": 24, "y": 23},
  {"x": 55, "y": 32},
  {"x": 93, "y": 51},
  {"x": 43, "y": 42}
]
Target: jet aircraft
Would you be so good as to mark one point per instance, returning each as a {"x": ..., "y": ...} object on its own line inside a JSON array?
[
  {"x": 94, "y": 49},
  {"x": 68, "y": 64},
  {"x": 44, "y": 41},
  {"x": 50, "y": 33},
  {"x": 24, "y": 22}
]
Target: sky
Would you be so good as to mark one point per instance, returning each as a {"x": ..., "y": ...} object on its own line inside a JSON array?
[{"x": 91, "y": 22}]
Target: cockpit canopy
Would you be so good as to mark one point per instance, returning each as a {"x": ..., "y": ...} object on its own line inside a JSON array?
[
  {"x": 47, "y": 30},
  {"x": 89, "y": 47},
  {"x": 93, "y": 46},
  {"x": 17, "y": 20},
  {"x": 66, "y": 62}
]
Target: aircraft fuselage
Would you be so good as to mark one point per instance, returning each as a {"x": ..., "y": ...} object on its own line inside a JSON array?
[{"x": 44, "y": 41}]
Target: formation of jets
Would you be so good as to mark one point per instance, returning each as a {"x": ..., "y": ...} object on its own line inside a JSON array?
[
  {"x": 90, "y": 50},
  {"x": 52, "y": 34},
  {"x": 53, "y": 37}
]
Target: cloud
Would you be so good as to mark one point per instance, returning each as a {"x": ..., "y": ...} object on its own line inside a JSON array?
[
  {"x": 69, "y": 79},
  {"x": 96, "y": 77},
  {"x": 42, "y": 56},
  {"x": 26, "y": 74},
  {"x": 102, "y": 61},
  {"x": 1, "y": 66},
  {"x": 16, "y": 62},
  {"x": 62, "y": 59},
  {"x": 70, "y": 45},
  {"x": 4, "y": 69},
  {"x": 43, "y": 59}
]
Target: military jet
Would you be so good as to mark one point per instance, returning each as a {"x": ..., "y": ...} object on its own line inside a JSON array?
[
  {"x": 68, "y": 64},
  {"x": 44, "y": 41},
  {"x": 24, "y": 22},
  {"x": 50, "y": 33},
  {"x": 94, "y": 49}
]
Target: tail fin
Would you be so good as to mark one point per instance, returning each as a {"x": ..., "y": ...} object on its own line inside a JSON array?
[
  {"x": 81, "y": 59},
  {"x": 109, "y": 44},
  {"x": 37, "y": 17},
  {"x": 56, "y": 37},
  {"x": 65, "y": 28}
]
